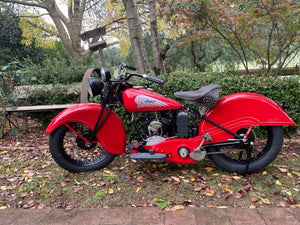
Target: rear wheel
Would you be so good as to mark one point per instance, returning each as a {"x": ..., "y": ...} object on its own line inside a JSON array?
[
  {"x": 267, "y": 142},
  {"x": 73, "y": 153}
]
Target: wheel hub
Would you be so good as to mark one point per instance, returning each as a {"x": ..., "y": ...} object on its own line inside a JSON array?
[
  {"x": 82, "y": 144},
  {"x": 249, "y": 140}
]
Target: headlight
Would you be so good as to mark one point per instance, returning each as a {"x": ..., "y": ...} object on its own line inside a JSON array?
[
  {"x": 105, "y": 75},
  {"x": 95, "y": 86}
]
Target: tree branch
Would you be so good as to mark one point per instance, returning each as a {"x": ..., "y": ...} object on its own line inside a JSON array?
[{"x": 36, "y": 3}]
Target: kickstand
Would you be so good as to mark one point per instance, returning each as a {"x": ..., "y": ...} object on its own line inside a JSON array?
[
  {"x": 248, "y": 159},
  {"x": 199, "y": 154}
]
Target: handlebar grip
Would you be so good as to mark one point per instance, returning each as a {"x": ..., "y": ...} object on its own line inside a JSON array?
[
  {"x": 154, "y": 79},
  {"x": 129, "y": 67}
]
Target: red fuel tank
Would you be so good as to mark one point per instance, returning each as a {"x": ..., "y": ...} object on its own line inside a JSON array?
[{"x": 143, "y": 100}]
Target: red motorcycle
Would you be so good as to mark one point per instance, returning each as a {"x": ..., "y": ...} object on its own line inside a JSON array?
[{"x": 241, "y": 132}]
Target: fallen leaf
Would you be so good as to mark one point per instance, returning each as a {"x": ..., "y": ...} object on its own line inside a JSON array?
[
  {"x": 107, "y": 171},
  {"x": 101, "y": 184},
  {"x": 138, "y": 189},
  {"x": 41, "y": 206},
  {"x": 248, "y": 187},
  {"x": 287, "y": 192},
  {"x": 227, "y": 195},
  {"x": 140, "y": 179},
  {"x": 283, "y": 169},
  {"x": 254, "y": 199},
  {"x": 236, "y": 177},
  {"x": 209, "y": 192},
  {"x": 69, "y": 207},
  {"x": 225, "y": 178},
  {"x": 3, "y": 188},
  {"x": 166, "y": 179},
  {"x": 239, "y": 194},
  {"x": 85, "y": 182},
  {"x": 228, "y": 189},
  {"x": 282, "y": 204},
  {"x": 297, "y": 173},
  {"x": 176, "y": 179},
  {"x": 197, "y": 189},
  {"x": 186, "y": 180},
  {"x": 63, "y": 184},
  {"x": 266, "y": 201},
  {"x": 291, "y": 200},
  {"x": 77, "y": 188},
  {"x": 29, "y": 204},
  {"x": 23, "y": 194},
  {"x": 178, "y": 207},
  {"x": 209, "y": 169}
]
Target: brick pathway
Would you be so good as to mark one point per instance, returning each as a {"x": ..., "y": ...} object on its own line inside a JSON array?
[{"x": 188, "y": 216}]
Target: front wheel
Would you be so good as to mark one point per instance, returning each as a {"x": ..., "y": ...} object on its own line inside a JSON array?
[
  {"x": 267, "y": 142},
  {"x": 72, "y": 153}
]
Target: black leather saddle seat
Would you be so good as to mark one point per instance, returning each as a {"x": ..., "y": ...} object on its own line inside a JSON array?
[{"x": 205, "y": 96}]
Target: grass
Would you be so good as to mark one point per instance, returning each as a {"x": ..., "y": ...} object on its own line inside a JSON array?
[{"x": 29, "y": 178}]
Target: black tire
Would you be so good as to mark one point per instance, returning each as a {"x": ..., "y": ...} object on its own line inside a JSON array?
[
  {"x": 267, "y": 145},
  {"x": 71, "y": 152}
]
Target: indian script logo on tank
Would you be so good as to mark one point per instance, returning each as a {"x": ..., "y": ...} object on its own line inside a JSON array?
[{"x": 146, "y": 101}]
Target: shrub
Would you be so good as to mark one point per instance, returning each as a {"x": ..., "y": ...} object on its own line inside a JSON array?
[
  {"x": 57, "y": 95},
  {"x": 276, "y": 88},
  {"x": 8, "y": 97},
  {"x": 52, "y": 71}
]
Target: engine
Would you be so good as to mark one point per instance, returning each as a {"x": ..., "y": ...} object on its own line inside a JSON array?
[
  {"x": 153, "y": 125},
  {"x": 156, "y": 126}
]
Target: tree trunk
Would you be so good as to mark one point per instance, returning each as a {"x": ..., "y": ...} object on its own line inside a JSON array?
[
  {"x": 157, "y": 65},
  {"x": 136, "y": 37},
  {"x": 68, "y": 28}
]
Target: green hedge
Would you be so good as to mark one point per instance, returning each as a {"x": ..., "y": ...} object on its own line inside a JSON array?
[
  {"x": 52, "y": 71},
  {"x": 56, "y": 95},
  {"x": 276, "y": 88}
]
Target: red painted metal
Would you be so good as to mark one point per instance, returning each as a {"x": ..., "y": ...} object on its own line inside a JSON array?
[
  {"x": 232, "y": 112},
  {"x": 112, "y": 134},
  {"x": 240, "y": 110},
  {"x": 172, "y": 145},
  {"x": 143, "y": 100}
]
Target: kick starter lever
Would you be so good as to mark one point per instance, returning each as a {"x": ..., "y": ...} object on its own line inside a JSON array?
[{"x": 197, "y": 154}]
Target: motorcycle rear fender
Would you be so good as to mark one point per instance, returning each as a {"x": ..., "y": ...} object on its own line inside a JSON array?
[
  {"x": 242, "y": 110},
  {"x": 112, "y": 135}
]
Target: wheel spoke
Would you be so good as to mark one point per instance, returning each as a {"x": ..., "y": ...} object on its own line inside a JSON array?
[
  {"x": 73, "y": 150},
  {"x": 78, "y": 147},
  {"x": 240, "y": 153}
]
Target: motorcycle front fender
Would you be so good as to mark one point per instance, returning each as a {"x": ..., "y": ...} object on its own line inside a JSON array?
[
  {"x": 242, "y": 110},
  {"x": 111, "y": 136}
]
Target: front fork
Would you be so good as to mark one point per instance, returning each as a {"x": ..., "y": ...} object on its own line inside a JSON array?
[{"x": 96, "y": 129}]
